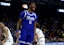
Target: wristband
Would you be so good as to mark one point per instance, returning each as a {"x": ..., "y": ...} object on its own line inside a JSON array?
[{"x": 17, "y": 30}]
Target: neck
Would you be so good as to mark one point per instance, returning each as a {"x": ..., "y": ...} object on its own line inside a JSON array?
[{"x": 29, "y": 10}]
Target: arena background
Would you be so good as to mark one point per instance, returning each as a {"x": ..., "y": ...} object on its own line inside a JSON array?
[{"x": 51, "y": 20}]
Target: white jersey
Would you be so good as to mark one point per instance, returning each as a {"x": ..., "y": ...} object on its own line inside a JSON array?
[
  {"x": 10, "y": 38},
  {"x": 39, "y": 33},
  {"x": 41, "y": 37}
]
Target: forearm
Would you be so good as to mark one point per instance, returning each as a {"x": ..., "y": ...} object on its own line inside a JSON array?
[
  {"x": 17, "y": 41},
  {"x": 35, "y": 28},
  {"x": 18, "y": 25},
  {"x": 35, "y": 37}
]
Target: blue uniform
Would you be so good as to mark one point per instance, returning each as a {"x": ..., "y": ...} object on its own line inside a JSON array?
[{"x": 27, "y": 31}]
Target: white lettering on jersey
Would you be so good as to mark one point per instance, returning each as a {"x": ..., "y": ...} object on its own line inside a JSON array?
[{"x": 30, "y": 19}]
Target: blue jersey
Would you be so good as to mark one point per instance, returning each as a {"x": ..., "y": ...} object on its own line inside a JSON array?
[{"x": 28, "y": 19}]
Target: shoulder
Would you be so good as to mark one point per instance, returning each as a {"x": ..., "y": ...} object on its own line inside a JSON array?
[
  {"x": 22, "y": 12},
  {"x": 37, "y": 30},
  {"x": 35, "y": 14}
]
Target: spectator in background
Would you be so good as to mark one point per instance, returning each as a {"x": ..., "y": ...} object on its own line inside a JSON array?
[{"x": 62, "y": 27}]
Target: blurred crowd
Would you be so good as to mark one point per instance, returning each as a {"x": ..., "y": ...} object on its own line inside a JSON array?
[{"x": 52, "y": 28}]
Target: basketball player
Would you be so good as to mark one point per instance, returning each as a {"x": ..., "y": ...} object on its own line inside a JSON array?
[
  {"x": 28, "y": 20},
  {"x": 39, "y": 37},
  {"x": 7, "y": 38}
]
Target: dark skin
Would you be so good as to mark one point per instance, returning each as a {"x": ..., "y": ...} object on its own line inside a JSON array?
[{"x": 32, "y": 7}]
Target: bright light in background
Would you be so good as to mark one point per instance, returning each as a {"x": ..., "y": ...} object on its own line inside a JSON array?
[
  {"x": 25, "y": 6},
  {"x": 5, "y": 4},
  {"x": 62, "y": 0},
  {"x": 61, "y": 10}
]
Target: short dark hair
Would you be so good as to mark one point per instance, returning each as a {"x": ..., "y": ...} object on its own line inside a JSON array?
[{"x": 31, "y": 2}]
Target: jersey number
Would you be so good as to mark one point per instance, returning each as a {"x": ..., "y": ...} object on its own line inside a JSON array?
[{"x": 30, "y": 22}]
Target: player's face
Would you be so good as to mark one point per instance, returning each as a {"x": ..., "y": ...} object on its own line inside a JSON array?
[{"x": 33, "y": 6}]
